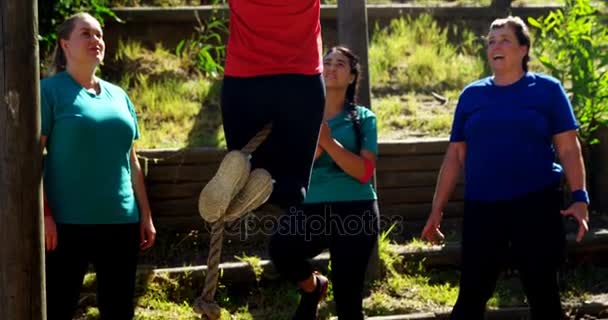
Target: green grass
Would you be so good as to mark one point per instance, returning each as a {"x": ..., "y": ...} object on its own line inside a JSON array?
[
  {"x": 416, "y": 55},
  {"x": 407, "y": 287},
  {"x": 179, "y": 107},
  {"x": 176, "y": 106},
  {"x": 410, "y": 60}
]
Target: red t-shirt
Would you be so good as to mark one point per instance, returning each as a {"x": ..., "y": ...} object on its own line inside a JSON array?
[{"x": 274, "y": 37}]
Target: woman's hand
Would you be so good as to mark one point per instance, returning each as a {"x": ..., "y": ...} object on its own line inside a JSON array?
[
  {"x": 579, "y": 211},
  {"x": 431, "y": 230},
  {"x": 50, "y": 233},
  {"x": 147, "y": 233},
  {"x": 325, "y": 135}
]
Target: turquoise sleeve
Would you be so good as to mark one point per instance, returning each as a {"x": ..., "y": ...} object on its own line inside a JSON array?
[
  {"x": 134, "y": 115},
  {"x": 369, "y": 133}
]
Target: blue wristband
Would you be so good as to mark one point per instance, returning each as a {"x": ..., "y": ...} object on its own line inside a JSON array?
[{"x": 580, "y": 196}]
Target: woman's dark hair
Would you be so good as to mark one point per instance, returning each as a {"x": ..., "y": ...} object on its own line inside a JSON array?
[
  {"x": 521, "y": 33},
  {"x": 58, "y": 62},
  {"x": 352, "y": 90}
]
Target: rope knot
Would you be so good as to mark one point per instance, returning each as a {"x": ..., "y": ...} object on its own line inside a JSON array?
[{"x": 210, "y": 310}]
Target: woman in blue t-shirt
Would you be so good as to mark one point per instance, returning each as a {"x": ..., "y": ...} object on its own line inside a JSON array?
[
  {"x": 506, "y": 131},
  {"x": 340, "y": 211},
  {"x": 96, "y": 208}
]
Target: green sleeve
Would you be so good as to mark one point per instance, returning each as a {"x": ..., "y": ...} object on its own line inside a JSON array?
[
  {"x": 134, "y": 115},
  {"x": 369, "y": 132}
]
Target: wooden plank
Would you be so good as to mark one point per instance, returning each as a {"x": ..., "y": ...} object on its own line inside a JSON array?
[
  {"x": 330, "y": 12},
  {"x": 413, "y": 163},
  {"x": 161, "y": 190},
  {"x": 175, "y": 207},
  {"x": 399, "y": 199},
  {"x": 501, "y": 7},
  {"x": 420, "y": 211},
  {"x": 203, "y": 172},
  {"x": 21, "y": 230},
  {"x": 403, "y": 179},
  {"x": 413, "y": 147},
  {"x": 191, "y": 222},
  {"x": 164, "y": 191},
  {"x": 181, "y": 173},
  {"x": 414, "y": 195},
  {"x": 181, "y": 156}
]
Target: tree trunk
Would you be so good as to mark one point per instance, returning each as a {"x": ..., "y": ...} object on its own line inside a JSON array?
[{"x": 21, "y": 245}]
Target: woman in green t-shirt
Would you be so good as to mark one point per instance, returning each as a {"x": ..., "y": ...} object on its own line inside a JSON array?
[
  {"x": 96, "y": 208},
  {"x": 340, "y": 212}
]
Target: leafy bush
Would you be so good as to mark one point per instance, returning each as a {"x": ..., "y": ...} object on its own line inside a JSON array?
[{"x": 573, "y": 46}]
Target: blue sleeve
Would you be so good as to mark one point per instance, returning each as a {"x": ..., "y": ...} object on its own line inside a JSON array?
[
  {"x": 134, "y": 115},
  {"x": 369, "y": 133},
  {"x": 561, "y": 114},
  {"x": 457, "y": 133},
  {"x": 46, "y": 112}
]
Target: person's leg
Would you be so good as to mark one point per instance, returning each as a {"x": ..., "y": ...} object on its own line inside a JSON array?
[
  {"x": 293, "y": 243},
  {"x": 115, "y": 261},
  {"x": 294, "y": 105},
  {"x": 484, "y": 246},
  {"x": 299, "y": 237},
  {"x": 244, "y": 108},
  {"x": 297, "y": 103},
  {"x": 350, "y": 249},
  {"x": 539, "y": 248},
  {"x": 65, "y": 269}
]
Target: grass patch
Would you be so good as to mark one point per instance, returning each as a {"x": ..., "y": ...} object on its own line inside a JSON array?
[
  {"x": 416, "y": 55},
  {"x": 176, "y": 105},
  {"x": 414, "y": 115},
  {"x": 408, "y": 288},
  {"x": 255, "y": 264}
]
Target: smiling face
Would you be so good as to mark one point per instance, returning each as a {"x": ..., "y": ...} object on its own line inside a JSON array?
[
  {"x": 337, "y": 71},
  {"x": 85, "y": 45},
  {"x": 504, "y": 52}
]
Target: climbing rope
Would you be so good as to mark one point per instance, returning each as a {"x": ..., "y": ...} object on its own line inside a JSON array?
[{"x": 205, "y": 304}]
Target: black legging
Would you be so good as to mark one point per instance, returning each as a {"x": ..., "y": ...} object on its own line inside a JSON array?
[
  {"x": 530, "y": 230},
  {"x": 113, "y": 250},
  {"x": 294, "y": 104},
  {"x": 348, "y": 229}
]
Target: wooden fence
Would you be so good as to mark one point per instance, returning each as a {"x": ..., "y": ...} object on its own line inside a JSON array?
[{"x": 406, "y": 176}]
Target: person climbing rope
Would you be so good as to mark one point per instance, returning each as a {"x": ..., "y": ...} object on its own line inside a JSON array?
[{"x": 273, "y": 92}]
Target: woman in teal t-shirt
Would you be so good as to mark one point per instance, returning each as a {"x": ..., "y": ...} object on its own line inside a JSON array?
[
  {"x": 340, "y": 211},
  {"x": 96, "y": 208}
]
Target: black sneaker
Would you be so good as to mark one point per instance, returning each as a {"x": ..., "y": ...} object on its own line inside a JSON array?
[{"x": 308, "y": 309}]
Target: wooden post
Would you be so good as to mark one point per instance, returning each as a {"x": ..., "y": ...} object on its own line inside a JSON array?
[
  {"x": 21, "y": 244},
  {"x": 501, "y": 7},
  {"x": 353, "y": 33}
]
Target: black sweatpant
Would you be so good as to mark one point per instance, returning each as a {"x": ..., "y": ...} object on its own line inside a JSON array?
[
  {"x": 348, "y": 229},
  {"x": 294, "y": 104},
  {"x": 529, "y": 230},
  {"x": 113, "y": 251}
]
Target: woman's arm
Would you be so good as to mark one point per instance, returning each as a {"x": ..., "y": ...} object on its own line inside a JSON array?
[
  {"x": 451, "y": 168},
  {"x": 570, "y": 155},
  {"x": 148, "y": 232},
  {"x": 50, "y": 228},
  {"x": 357, "y": 166}
]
